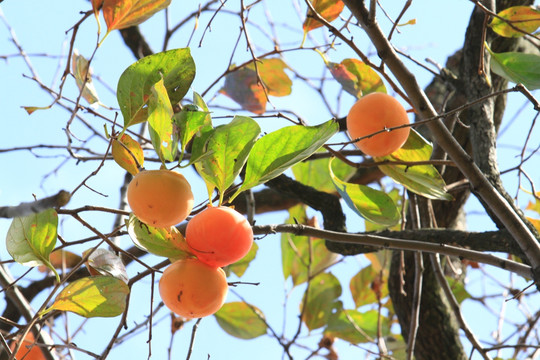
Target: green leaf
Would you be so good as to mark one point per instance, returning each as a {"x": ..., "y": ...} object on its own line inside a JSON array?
[
  {"x": 121, "y": 14},
  {"x": 240, "y": 267},
  {"x": 300, "y": 253},
  {"x": 364, "y": 284},
  {"x": 276, "y": 152},
  {"x": 424, "y": 180},
  {"x": 458, "y": 289},
  {"x": 517, "y": 67},
  {"x": 356, "y": 77},
  {"x": 524, "y": 18},
  {"x": 373, "y": 205},
  {"x": 168, "y": 242},
  {"x": 128, "y": 153},
  {"x": 322, "y": 302},
  {"x": 244, "y": 87},
  {"x": 94, "y": 296},
  {"x": 229, "y": 146},
  {"x": 177, "y": 69},
  {"x": 160, "y": 113},
  {"x": 189, "y": 122},
  {"x": 31, "y": 239},
  {"x": 328, "y": 9},
  {"x": 314, "y": 173},
  {"x": 241, "y": 320},
  {"x": 356, "y": 327}
]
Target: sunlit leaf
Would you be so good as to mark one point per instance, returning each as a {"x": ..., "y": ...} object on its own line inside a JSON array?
[
  {"x": 241, "y": 320},
  {"x": 198, "y": 148},
  {"x": 534, "y": 222},
  {"x": 244, "y": 87},
  {"x": 424, "y": 180},
  {"x": 31, "y": 239},
  {"x": 368, "y": 286},
  {"x": 356, "y": 77},
  {"x": 160, "y": 113},
  {"x": 357, "y": 327},
  {"x": 517, "y": 67},
  {"x": 534, "y": 206},
  {"x": 322, "y": 300},
  {"x": 300, "y": 253},
  {"x": 83, "y": 78},
  {"x": 525, "y": 18},
  {"x": 328, "y": 9},
  {"x": 228, "y": 147},
  {"x": 128, "y": 153},
  {"x": 167, "y": 242},
  {"x": 31, "y": 109},
  {"x": 121, "y": 14},
  {"x": 373, "y": 205},
  {"x": 239, "y": 267},
  {"x": 314, "y": 173},
  {"x": 396, "y": 194},
  {"x": 104, "y": 262},
  {"x": 276, "y": 152},
  {"x": 175, "y": 67},
  {"x": 94, "y": 296}
]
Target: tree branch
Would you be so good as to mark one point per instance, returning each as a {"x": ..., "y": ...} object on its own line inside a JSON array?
[
  {"x": 382, "y": 242},
  {"x": 24, "y": 209}
]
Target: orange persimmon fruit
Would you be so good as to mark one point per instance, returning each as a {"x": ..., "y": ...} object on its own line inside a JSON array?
[
  {"x": 219, "y": 236},
  {"x": 375, "y": 112},
  {"x": 27, "y": 351},
  {"x": 160, "y": 198},
  {"x": 192, "y": 289}
]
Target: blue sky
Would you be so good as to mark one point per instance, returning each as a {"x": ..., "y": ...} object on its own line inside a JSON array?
[{"x": 437, "y": 33}]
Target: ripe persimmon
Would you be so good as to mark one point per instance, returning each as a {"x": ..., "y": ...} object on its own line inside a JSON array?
[
  {"x": 27, "y": 351},
  {"x": 192, "y": 289},
  {"x": 375, "y": 112},
  {"x": 219, "y": 236},
  {"x": 160, "y": 198}
]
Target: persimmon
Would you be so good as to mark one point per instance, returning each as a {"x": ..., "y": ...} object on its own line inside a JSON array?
[
  {"x": 192, "y": 289},
  {"x": 375, "y": 112},
  {"x": 219, "y": 236},
  {"x": 160, "y": 198},
  {"x": 27, "y": 351}
]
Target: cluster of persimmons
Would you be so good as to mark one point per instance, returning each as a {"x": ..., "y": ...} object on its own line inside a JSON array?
[{"x": 195, "y": 286}]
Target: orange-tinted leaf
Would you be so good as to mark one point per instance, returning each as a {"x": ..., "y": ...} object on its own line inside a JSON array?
[
  {"x": 61, "y": 258},
  {"x": 328, "y": 9},
  {"x": 128, "y": 153},
  {"x": 96, "y": 6},
  {"x": 31, "y": 109},
  {"x": 356, "y": 77},
  {"x": 244, "y": 88},
  {"x": 535, "y": 223},
  {"x": 274, "y": 77},
  {"x": 516, "y": 21},
  {"x": 534, "y": 206},
  {"x": 121, "y": 14}
]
